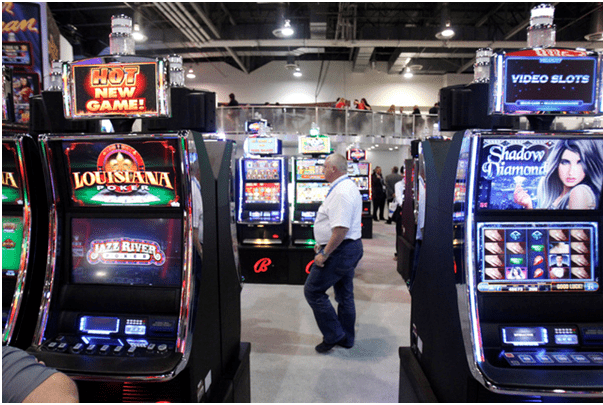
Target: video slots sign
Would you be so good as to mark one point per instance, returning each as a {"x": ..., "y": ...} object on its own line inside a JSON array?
[{"x": 117, "y": 90}]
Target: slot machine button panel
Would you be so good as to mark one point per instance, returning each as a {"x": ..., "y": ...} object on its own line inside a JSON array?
[
  {"x": 117, "y": 350},
  {"x": 91, "y": 348},
  {"x": 104, "y": 349},
  {"x": 52, "y": 345},
  {"x": 77, "y": 347}
]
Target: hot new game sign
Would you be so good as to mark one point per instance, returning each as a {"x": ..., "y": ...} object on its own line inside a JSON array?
[{"x": 117, "y": 89}]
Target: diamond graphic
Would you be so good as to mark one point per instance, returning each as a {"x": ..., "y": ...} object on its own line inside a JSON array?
[
  {"x": 537, "y": 235},
  {"x": 515, "y": 235}
]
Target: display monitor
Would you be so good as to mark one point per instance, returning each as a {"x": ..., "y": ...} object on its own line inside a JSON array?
[
  {"x": 540, "y": 173},
  {"x": 12, "y": 244},
  {"x": 259, "y": 145},
  {"x": 263, "y": 193},
  {"x": 361, "y": 182},
  {"x": 12, "y": 192},
  {"x": 358, "y": 168},
  {"x": 314, "y": 145},
  {"x": 133, "y": 172},
  {"x": 538, "y": 257},
  {"x": 310, "y": 169},
  {"x": 553, "y": 81},
  {"x": 126, "y": 251},
  {"x": 262, "y": 169},
  {"x": 311, "y": 193}
]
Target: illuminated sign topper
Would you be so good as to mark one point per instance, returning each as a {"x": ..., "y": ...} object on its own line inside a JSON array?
[
  {"x": 263, "y": 146},
  {"x": 314, "y": 145},
  {"x": 356, "y": 154},
  {"x": 125, "y": 251},
  {"x": 117, "y": 89},
  {"x": 553, "y": 81}
]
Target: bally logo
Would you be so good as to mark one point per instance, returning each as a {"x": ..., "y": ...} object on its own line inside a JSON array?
[
  {"x": 261, "y": 266},
  {"x": 309, "y": 266}
]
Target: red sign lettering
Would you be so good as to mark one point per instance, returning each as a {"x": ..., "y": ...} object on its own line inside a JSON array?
[{"x": 261, "y": 266}]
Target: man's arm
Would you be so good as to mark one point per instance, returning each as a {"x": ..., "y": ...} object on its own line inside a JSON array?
[
  {"x": 56, "y": 388},
  {"x": 337, "y": 236}
]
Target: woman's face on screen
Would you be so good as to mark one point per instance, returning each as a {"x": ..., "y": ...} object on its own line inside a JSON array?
[{"x": 571, "y": 171}]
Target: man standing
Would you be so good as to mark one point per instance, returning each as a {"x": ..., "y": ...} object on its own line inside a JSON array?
[
  {"x": 337, "y": 231},
  {"x": 390, "y": 183},
  {"x": 378, "y": 186}
]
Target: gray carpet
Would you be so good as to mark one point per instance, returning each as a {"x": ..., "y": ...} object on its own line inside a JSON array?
[{"x": 278, "y": 322}]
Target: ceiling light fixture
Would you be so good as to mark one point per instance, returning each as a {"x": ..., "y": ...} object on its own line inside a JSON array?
[
  {"x": 191, "y": 74},
  {"x": 137, "y": 34},
  {"x": 285, "y": 31},
  {"x": 408, "y": 74},
  {"x": 446, "y": 33},
  {"x": 297, "y": 72}
]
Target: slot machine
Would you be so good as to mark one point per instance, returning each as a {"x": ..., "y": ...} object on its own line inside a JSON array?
[
  {"x": 262, "y": 211},
  {"x": 24, "y": 225},
  {"x": 309, "y": 190},
  {"x": 137, "y": 305},
  {"x": 309, "y": 187},
  {"x": 360, "y": 173},
  {"x": 512, "y": 265}
]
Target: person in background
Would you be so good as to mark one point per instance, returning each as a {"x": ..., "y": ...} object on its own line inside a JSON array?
[
  {"x": 364, "y": 105},
  {"x": 338, "y": 232},
  {"x": 341, "y": 102},
  {"x": 435, "y": 109},
  {"x": 416, "y": 111},
  {"x": 378, "y": 186},
  {"x": 392, "y": 109},
  {"x": 233, "y": 101},
  {"x": 24, "y": 379},
  {"x": 390, "y": 182}
]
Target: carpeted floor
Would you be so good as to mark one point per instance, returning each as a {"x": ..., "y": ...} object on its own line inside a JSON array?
[{"x": 278, "y": 322}]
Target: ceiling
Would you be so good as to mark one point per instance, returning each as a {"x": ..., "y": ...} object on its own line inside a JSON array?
[{"x": 399, "y": 33}]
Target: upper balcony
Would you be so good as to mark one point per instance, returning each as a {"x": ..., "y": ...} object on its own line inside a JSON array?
[
  {"x": 393, "y": 129},
  {"x": 359, "y": 126}
]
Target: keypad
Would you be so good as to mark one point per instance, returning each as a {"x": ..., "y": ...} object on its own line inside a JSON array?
[
  {"x": 575, "y": 359},
  {"x": 134, "y": 349}
]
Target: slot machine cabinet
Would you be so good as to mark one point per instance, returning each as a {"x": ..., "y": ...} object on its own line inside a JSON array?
[
  {"x": 360, "y": 172},
  {"x": 24, "y": 230},
  {"x": 309, "y": 191},
  {"x": 138, "y": 306},
  {"x": 405, "y": 242},
  {"x": 511, "y": 324},
  {"x": 263, "y": 212}
]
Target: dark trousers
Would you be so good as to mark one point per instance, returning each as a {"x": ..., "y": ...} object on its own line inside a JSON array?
[
  {"x": 338, "y": 272},
  {"x": 378, "y": 205}
]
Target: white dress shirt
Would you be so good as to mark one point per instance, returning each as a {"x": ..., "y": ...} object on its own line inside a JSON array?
[{"x": 342, "y": 207}]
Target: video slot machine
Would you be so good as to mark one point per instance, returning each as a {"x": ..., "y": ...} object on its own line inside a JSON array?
[
  {"x": 360, "y": 173},
  {"x": 310, "y": 189},
  {"x": 24, "y": 225},
  {"x": 131, "y": 305},
  {"x": 519, "y": 307},
  {"x": 262, "y": 211}
]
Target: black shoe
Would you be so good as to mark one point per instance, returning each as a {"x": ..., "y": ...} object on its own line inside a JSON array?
[
  {"x": 375, "y": 219},
  {"x": 383, "y": 219},
  {"x": 389, "y": 222},
  {"x": 325, "y": 347}
]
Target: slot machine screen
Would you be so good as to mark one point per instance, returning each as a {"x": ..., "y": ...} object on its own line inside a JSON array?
[
  {"x": 262, "y": 193},
  {"x": 135, "y": 173},
  {"x": 358, "y": 169},
  {"x": 12, "y": 245},
  {"x": 310, "y": 169},
  {"x": 547, "y": 84},
  {"x": 537, "y": 173},
  {"x": 262, "y": 169},
  {"x": 126, "y": 251},
  {"x": 538, "y": 257},
  {"x": 361, "y": 182},
  {"x": 12, "y": 193},
  {"x": 311, "y": 193}
]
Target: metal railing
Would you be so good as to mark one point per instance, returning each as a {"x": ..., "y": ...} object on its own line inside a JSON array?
[
  {"x": 331, "y": 121},
  {"x": 292, "y": 120}
]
